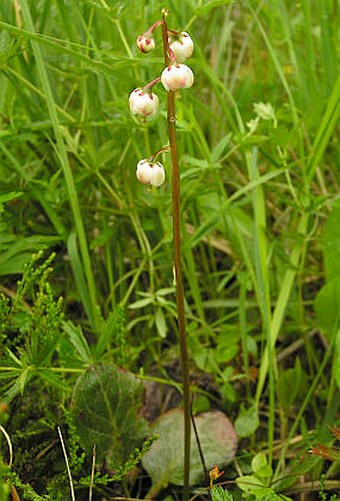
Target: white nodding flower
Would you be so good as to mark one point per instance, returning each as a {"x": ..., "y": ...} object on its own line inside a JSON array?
[
  {"x": 145, "y": 43},
  {"x": 177, "y": 76},
  {"x": 182, "y": 46},
  {"x": 152, "y": 173},
  {"x": 142, "y": 102}
]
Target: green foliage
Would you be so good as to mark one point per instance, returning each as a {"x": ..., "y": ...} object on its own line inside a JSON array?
[
  {"x": 291, "y": 386},
  {"x": 112, "y": 338},
  {"x": 36, "y": 319},
  {"x": 331, "y": 243},
  {"x": 31, "y": 322},
  {"x": 76, "y": 456},
  {"x": 327, "y": 305},
  {"x": 322, "y": 493},
  {"x": 121, "y": 472},
  {"x": 327, "y": 302},
  {"x": 106, "y": 402},
  {"x": 164, "y": 460},
  {"x": 4, "y": 486},
  {"x": 219, "y": 494},
  {"x": 258, "y": 485},
  {"x": 247, "y": 422}
]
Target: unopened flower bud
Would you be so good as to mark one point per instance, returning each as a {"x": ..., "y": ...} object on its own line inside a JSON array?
[
  {"x": 143, "y": 103},
  {"x": 145, "y": 43},
  {"x": 177, "y": 76},
  {"x": 182, "y": 46},
  {"x": 152, "y": 173}
]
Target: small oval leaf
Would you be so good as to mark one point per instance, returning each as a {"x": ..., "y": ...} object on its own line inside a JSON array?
[{"x": 164, "y": 461}]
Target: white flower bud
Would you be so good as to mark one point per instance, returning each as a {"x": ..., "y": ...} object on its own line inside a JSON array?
[
  {"x": 158, "y": 175},
  {"x": 150, "y": 173},
  {"x": 177, "y": 76},
  {"x": 145, "y": 44},
  {"x": 143, "y": 103},
  {"x": 144, "y": 172},
  {"x": 182, "y": 46}
]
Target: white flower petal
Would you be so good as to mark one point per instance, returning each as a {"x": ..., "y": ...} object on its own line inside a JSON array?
[{"x": 177, "y": 76}]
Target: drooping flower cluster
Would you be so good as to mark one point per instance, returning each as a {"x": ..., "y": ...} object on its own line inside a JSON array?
[
  {"x": 143, "y": 103},
  {"x": 181, "y": 45},
  {"x": 145, "y": 43},
  {"x": 175, "y": 76},
  {"x": 152, "y": 173}
]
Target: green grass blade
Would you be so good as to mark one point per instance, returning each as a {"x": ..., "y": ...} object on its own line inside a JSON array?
[
  {"x": 63, "y": 158},
  {"x": 327, "y": 125}
]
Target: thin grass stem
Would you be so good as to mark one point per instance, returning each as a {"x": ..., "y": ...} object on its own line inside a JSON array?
[
  {"x": 63, "y": 158},
  {"x": 67, "y": 465}
]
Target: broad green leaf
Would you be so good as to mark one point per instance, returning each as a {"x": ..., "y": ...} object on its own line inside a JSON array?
[
  {"x": 106, "y": 404},
  {"x": 258, "y": 462},
  {"x": 161, "y": 323},
  {"x": 251, "y": 484},
  {"x": 336, "y": 363},
  {"x": 331, "y": 243},
  {"x": 291, "y": 383},
  {"x": 200, "y": 404},
  {"x": 164, "y": 461},
  {"x": 327, "y": 306},
  {"x": 247, "y": 422}
]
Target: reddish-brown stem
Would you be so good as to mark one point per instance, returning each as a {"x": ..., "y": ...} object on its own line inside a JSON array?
[
  {"x": 152, "y": 83},
  {"x": 172, "y": 55},
  {"x": 158, "y": 152},
  {"x": 175, "y": 33},
  {"x": 149, "y": 31},
  {"x": 171, "y": 115}
]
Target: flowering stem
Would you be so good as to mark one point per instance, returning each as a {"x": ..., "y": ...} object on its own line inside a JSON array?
[{"x": 171, "y": 117}]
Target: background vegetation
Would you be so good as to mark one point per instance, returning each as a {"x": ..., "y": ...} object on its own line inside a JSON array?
[{"x": 260, "y": 181}]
